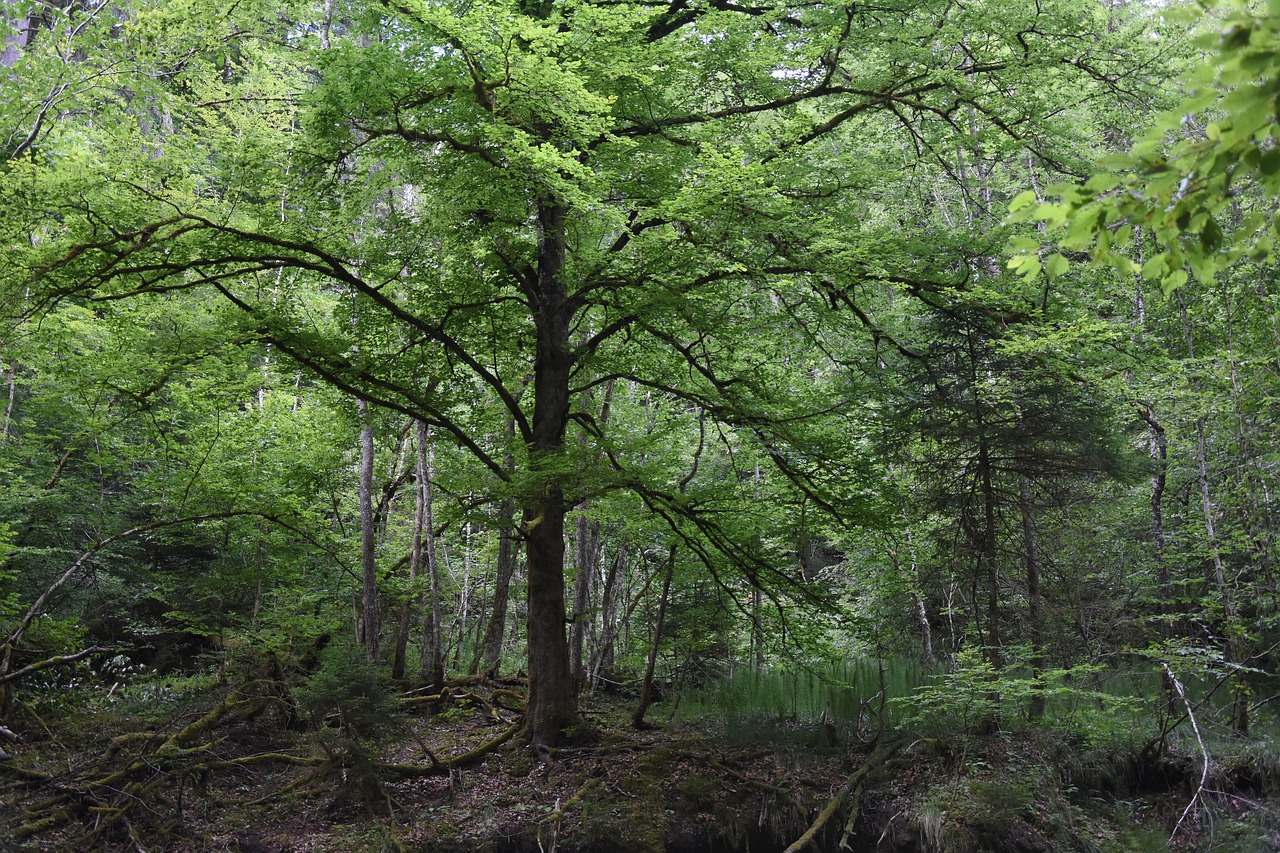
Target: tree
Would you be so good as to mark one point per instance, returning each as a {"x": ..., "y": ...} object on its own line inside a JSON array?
[{"x": 568, "y": 192}]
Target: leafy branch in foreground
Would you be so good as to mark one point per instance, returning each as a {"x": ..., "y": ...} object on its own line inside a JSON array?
[{"x": 1196, "y": 193}]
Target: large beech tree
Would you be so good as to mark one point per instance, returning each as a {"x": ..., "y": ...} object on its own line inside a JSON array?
[{"x": 432, "y": 205}]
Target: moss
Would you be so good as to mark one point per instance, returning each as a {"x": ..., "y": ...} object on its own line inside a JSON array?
[
  {"x": 656, "y": 763},
  {"x": 518, "y": 765},
  {"x": 698, "y": 792},
  {"x": 635, "y": 822}
]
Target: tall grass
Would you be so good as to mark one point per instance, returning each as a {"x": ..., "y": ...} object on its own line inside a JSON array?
[
  {"x": 856, "y": 696},
  {"x": 846, "y": 695}
]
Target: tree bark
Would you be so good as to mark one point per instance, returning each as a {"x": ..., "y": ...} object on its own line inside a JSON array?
[
  {"x": 586, "y": 558},
  {"x": 489, "y": 651},
  {"x": 1230, "y": 610},
  {"x": 586, "y": 564},
  {"x": 489, "y": 654},
  {"x": 415, "y": 554},
  {"x": 11, "y": 385},
  {"x": 917, "y": 601},
  {"x": 989, "y": 555},
  {"x": 465, "y": 605},
  {"x": 1158, "y": 447},
  {"x": 552, "y": 704},
  {"x": 602, "y": 653}
]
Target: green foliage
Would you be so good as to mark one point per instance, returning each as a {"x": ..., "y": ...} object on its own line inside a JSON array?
[
  {"x": 1200, "y": 183},
  {"x": 8, "y": 594},
  {"x": 974, "y": 695},
  {"x": 347, "y": 692},
  {"x": 974, "y": 813}
]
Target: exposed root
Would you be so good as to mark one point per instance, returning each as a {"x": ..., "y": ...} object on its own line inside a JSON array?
[
  {"x": 110, "y": 796},
  {"x": 441, "y": 767}
]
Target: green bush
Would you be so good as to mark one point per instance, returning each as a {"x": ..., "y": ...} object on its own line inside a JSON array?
[{"x": 345, "y": 691}]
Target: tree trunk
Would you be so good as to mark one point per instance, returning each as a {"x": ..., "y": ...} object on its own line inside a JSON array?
[
  {"x": 1230, "y": 611},
  {"x": 586, "y": 558},
  {"x": 1254, "y": 511},
  {"x": 921, "y": 613},
  {"x": 489, "y": 653},
  {"x": 552, "y": 704},
  {"x": 432, "y": 645},
  {"x": 989, "y": 556},
  {"x": 602, "y": 652},
  {"x": 415, "y": 555},
  {"x": 465, "y": 607},
  {"x": 369, "y": 616},
  {"x": 1158, "y": 446},
  {"x": 646, "y": 689},
  {"x": 11, "y": 386},
  {"x": 1035, "y": 606}
]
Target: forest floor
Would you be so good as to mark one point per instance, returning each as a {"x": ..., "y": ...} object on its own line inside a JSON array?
[{"x": 230, "y": 773}]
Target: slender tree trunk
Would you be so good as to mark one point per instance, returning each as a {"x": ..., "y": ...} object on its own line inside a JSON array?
[
  {"x": 646, "y": 688},
  {"x": 1158, "y": 447},
  {"x": 11, "y": 386},
  {"x": 929, "y": 656},
  {"x": 586, "y": 557},
  {"x": 415, "y": 560},
  {"x": 466, "y": 595},
  {"x": 990, "y": 555},
  {"x": 1252, "y": 509},
  {"x": 432, "y": 643},
  {"x": 586, "y": 565},
  {"x": 1035, "y": 605},
  {"x": 602, "y": 652},
  {"x": 917, "y": 602},
  {"x": 552, "y": 703},
  {"x": 370, "y": 626},
  {"x": 489, "y": 651},
  {"x": 1230, "y": 611},
  {"x": 489, "y": 655},
  {"x": 922, "y": 615}
]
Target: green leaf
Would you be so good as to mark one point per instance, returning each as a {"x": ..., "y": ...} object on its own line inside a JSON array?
[
  {"x": 1269, "y": 163},
  {"x": 1155, "y": 266},
  {"x": 1022, "y": 199},
  {"x": 1056, "y": 265},
  {"x": 1173, "y": 281},
  {"x": 1102, "y": 182}
]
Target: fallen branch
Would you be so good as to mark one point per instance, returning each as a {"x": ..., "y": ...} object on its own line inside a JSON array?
[
  {"x": 743, "y": 779},
  {"x": 57, "y": 660},
  {"x": 852, "y": 786},
  {"x": 1195, "y": 727},
  {"x": 120, "y": 788}
]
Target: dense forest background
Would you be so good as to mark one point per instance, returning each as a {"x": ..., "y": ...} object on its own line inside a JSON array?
[{"x": 926, "y": 354}]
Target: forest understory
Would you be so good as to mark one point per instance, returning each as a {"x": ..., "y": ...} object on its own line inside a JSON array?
[{"x": 344, "y": 763}]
